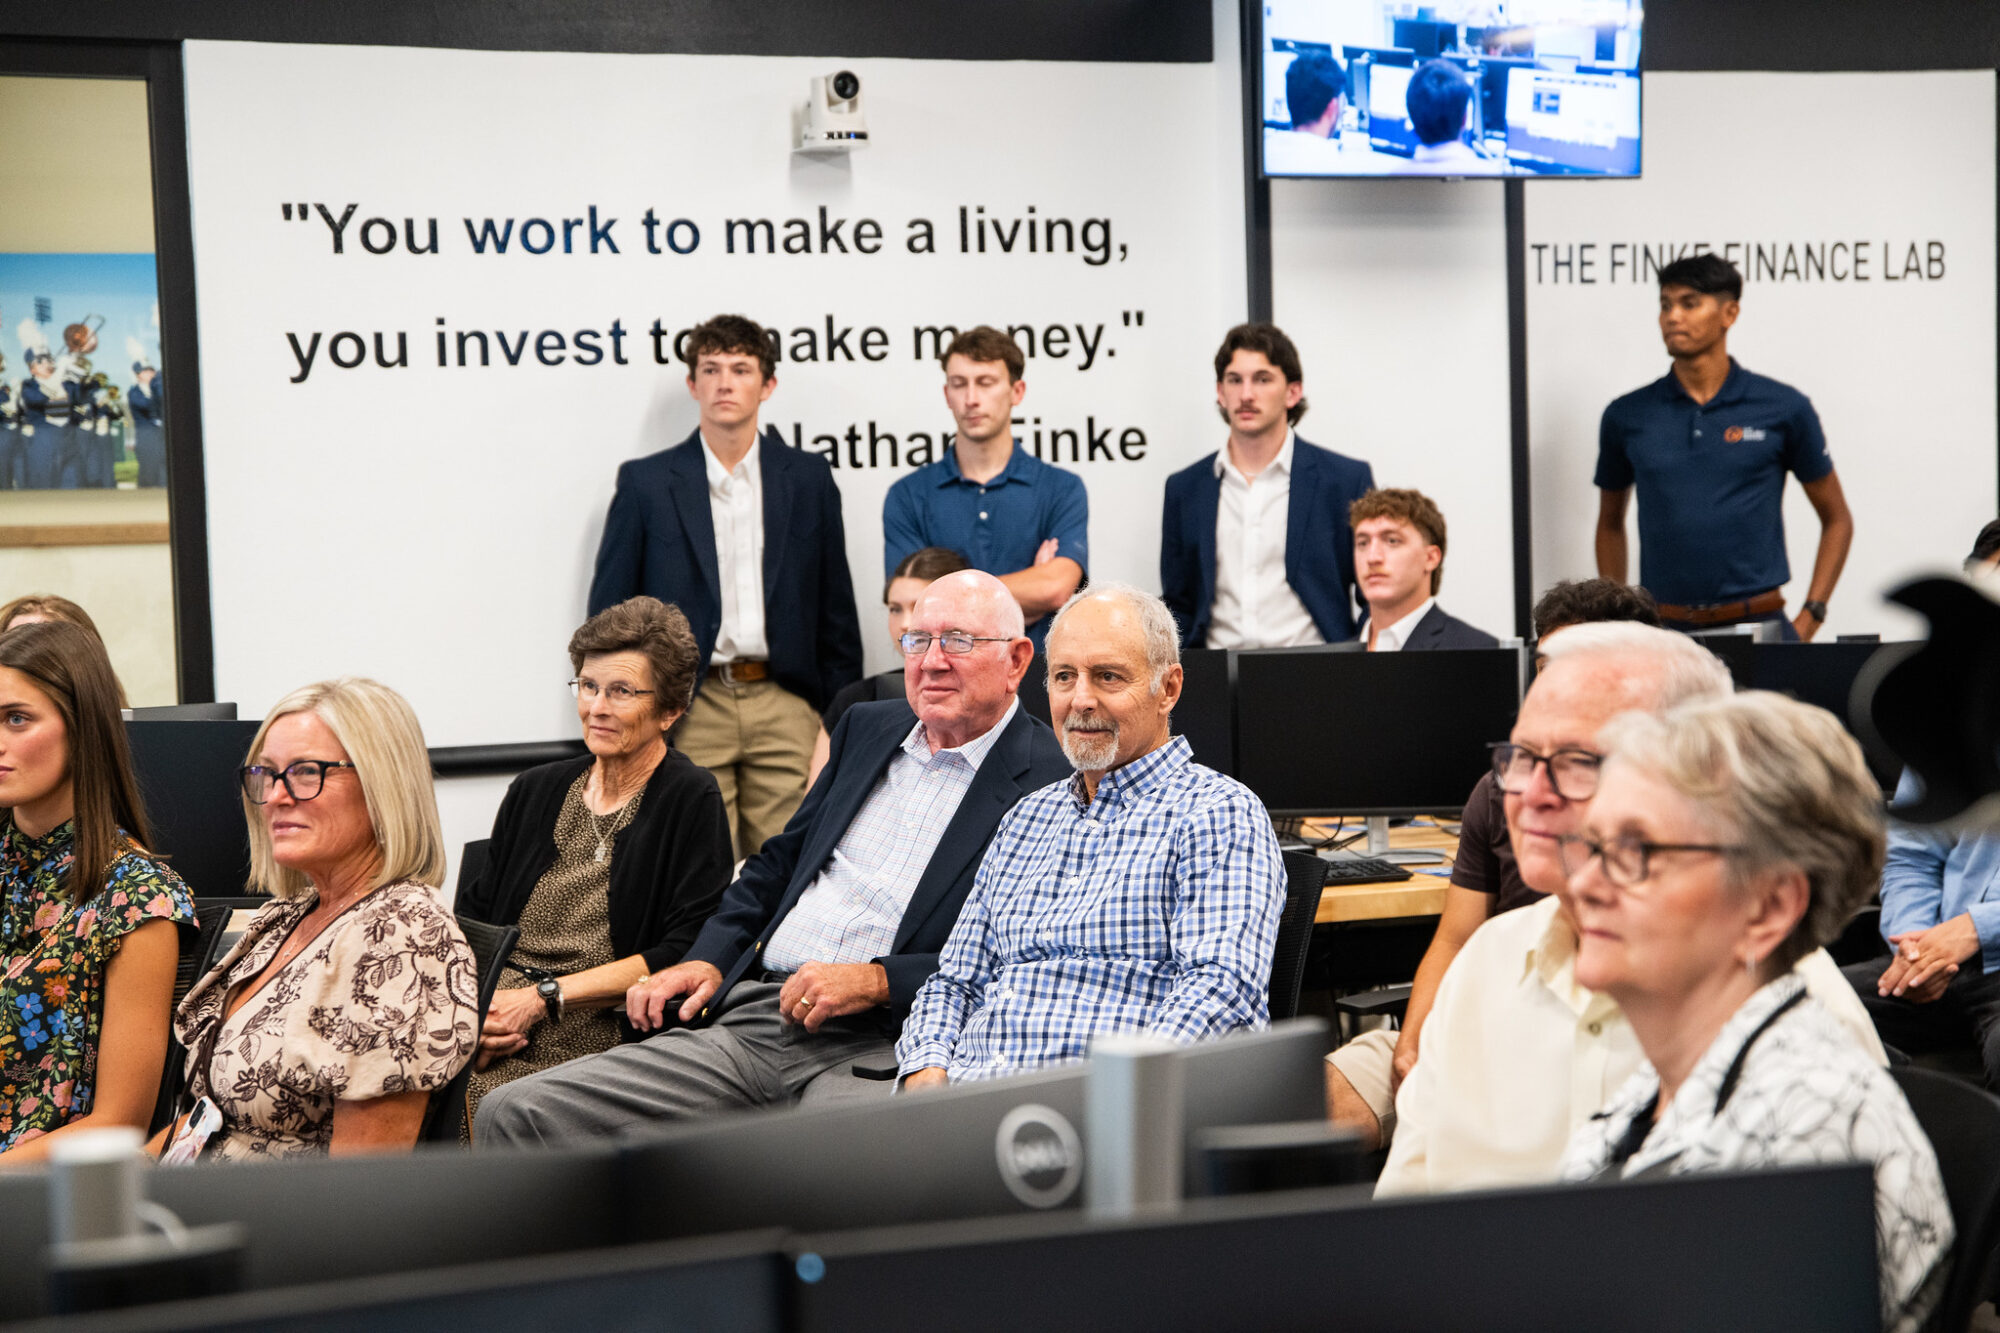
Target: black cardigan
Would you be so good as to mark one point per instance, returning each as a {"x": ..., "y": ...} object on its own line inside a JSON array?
[{"x": 669, "y": 866}]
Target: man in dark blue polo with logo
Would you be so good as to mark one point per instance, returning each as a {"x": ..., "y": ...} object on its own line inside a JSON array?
[
  {"x": 1708, "y": 446},
  {"x": 1006, "y": 511}
]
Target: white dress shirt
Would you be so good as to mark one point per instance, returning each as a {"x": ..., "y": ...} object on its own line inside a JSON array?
[
  {"x": 852, "y": 910},
  {"x": 1254, "y": 607},
  {"x": 1391, "y": 638},
  {"x": 736, "y": 504},
  {"x": 1515, "y": 1056}
]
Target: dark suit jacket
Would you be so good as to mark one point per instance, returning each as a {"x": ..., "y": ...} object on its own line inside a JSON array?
[
  {"x": 659, "y": 539},
  {"x": 1025, "y": 758},
  {"x": 1319, "y": 546},
  {"x": 1438, "y": 630},
  {"x": 669, "y": 866}
]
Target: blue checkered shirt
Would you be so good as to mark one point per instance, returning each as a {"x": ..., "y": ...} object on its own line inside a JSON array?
[
  {"x": 1152, "y": 908},
  {"x": 851, "y": 911}
]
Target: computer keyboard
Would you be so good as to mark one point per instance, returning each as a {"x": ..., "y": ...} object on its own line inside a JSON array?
[{"x": 1347, "y": 868}]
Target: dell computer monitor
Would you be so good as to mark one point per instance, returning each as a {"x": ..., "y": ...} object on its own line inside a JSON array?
[
  {"x": 981, "y": 1149},
  {"x": 1327, "y": 732},
  {"x": 1363, "y": 88}
]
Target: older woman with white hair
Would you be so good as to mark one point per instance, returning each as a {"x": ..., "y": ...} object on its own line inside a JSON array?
[
  {"x": 1728, "y": 839},
  {"x": 352, "y": 996}
]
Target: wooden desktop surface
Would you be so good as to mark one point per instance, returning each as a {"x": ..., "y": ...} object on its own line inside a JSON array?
[{"x": 1420, "y": 895}]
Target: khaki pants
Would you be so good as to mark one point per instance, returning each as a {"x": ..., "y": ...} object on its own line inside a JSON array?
[
  {"x": 757, "y": 739},
  {"x": 1367, "y": 1063}
]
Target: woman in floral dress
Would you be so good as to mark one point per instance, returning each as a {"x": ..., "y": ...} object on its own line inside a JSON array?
[
  {"x": 353, "y": 996},
  {"x": 89, "y": 920}
]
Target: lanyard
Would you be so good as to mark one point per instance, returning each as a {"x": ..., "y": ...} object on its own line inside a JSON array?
[{"x": 1641, "y": 1126}]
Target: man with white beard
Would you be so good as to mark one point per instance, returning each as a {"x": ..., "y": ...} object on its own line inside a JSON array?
[{"x": 1141, "y": 895}]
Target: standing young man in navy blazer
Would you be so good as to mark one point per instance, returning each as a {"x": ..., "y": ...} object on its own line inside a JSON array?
[
  {"x": 1255, "y": 550},
  {"x": 743, "y": 533}
]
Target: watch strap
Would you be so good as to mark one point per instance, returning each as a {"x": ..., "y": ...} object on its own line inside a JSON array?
[{"x": 1817, "y": 610}]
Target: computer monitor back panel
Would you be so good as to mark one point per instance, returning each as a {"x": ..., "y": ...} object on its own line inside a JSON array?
[
  {"x": 1207, "y": 708},
  {"x": 1345, "y": 733},
  {"x": 931, "y": 1156},
  {"x": 187, "y": 778}
]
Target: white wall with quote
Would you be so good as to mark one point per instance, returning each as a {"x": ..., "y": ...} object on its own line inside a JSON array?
[{"x": 439, "y": 292}]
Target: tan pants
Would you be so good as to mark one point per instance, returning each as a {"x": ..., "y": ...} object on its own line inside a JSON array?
[
  {"x": 757, "y": 739},
  {"x": 1366, "y": 1062}
]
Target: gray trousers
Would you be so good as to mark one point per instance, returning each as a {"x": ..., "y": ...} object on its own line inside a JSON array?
[{"x": 748, "y": 1057}]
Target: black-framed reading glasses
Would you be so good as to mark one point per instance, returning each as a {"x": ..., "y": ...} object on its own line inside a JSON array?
[{"x": 303, "y": 778}]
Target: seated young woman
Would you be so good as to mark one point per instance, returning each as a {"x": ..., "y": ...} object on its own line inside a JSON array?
[{"x": 90, "y": 921}]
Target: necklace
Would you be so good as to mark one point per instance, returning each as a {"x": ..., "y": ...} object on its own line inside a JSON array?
[{"x": 601, "y": 826}]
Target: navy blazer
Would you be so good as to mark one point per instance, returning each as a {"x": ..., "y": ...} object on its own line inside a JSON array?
[
  {"x": 1438, "y": 630},
  {"x": 1025, "y": 758},
  {"x": 1319, "y": 545},
  {"x": 659, "y": 540}
]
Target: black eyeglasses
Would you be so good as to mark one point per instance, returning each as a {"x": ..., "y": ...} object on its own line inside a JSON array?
[
  {"x": 1628, "y": 861},
  {"x": 303, "y": 778},
  {"x": 954, "y": 641},
  {"x": 1572, "y": 771}
]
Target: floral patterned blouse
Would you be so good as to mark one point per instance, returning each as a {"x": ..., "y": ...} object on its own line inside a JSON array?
[
  {"x": 384, "y": 1000},
  {"x": 53, "y": 957}
]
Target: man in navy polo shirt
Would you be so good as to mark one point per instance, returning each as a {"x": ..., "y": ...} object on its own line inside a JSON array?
[
  {"x": 1708, "y": 446},
  {"x": 1006, "y": 511}
]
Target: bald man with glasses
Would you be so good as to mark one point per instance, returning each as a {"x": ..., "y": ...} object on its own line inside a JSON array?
[{"x": 806, "y": 972}]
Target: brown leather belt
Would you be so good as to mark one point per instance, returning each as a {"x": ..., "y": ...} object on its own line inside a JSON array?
[
  {"x": 1716, "y": 613},
  {"x": 742, "y": 673}
]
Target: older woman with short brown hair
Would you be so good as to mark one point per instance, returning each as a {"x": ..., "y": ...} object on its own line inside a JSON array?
[
  {"x": 1728, "y": 839},
  {"x": 609, "y": 863}
]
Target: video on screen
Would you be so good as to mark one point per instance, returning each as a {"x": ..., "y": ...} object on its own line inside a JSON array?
[{"x": 1513, "y": 88}]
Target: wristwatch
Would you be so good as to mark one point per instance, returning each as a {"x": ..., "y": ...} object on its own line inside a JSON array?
[
  {"x": 1817, "y": 610},
  {"x": 549, "y": 987}
]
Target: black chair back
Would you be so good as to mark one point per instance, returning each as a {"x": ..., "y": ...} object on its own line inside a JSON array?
[
  {"x": 491, "y": 947},
  {"x": 201, "y": 949},
  {"x": 1305, "y": 877},
  {"x": 1962, "y": 1121}
]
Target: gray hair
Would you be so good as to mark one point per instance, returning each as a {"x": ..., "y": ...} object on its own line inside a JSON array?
[
  {"x": 1784, "y": 780},
  {"x": 1163, "y": 638},
  {"x": 1688, "y": 670}
]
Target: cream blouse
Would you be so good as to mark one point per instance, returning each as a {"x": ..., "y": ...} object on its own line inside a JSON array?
[{"x": 383, "y": 1001}]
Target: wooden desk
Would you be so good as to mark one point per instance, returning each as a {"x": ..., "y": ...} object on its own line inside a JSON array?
[{"x": 1420, "y": 895}]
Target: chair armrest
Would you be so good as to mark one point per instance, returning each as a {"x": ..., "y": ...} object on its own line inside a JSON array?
[{"x": 1389, "y": 1000}]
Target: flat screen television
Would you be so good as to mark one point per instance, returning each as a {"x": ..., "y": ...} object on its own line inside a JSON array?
[{"x": 1390, "y": 88}]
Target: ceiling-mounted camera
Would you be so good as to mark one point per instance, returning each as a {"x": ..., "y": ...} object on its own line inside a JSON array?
[{"x": 834, "y": 120}]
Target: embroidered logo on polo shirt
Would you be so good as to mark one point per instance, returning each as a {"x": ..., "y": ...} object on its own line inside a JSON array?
[{"x": 1738, "y": 434}]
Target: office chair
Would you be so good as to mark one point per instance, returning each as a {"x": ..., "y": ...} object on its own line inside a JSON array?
[
  {"x": 201, "y": 949},
  {"x": 473, "y": 860},
  {"x": 1305, "y": 877},
  {"x": 1962, "y": 1122},
  {"x": 491, "y": 947}
]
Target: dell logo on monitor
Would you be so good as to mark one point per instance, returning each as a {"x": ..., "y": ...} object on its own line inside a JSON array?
[{"x": 1039, "y": 1154}]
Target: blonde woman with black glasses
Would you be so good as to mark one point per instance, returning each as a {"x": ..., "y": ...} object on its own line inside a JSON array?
[{"x": 352, "y": 996}]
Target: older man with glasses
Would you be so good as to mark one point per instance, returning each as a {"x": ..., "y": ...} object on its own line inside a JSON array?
[
  {"x": 1142, "y": 895},
  {"x": 1515, "y": 1053},
  {"x": 803, "y": 976}
]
